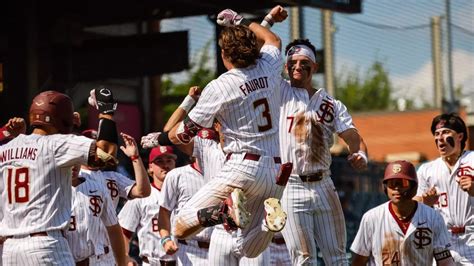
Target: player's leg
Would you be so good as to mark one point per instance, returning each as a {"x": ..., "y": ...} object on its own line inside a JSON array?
[
  {"x": 298, "y": 202},
  {"x": 261, "y": 260},
  {"x": 220, "y": 249},
  {"x": 330, "y": 227}
]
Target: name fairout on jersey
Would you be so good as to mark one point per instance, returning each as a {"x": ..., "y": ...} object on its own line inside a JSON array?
[
  {"x": 18, "y": 153},
  {"x": 254, "y": 84}
]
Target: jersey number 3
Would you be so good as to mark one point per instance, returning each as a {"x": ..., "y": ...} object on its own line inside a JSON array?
[
  {"x": 18, "y": 185},
  {"x": 265, "y": 114}
]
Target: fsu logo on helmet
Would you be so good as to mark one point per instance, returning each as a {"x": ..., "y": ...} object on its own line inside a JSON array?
[{"x": 396, "y": 168}]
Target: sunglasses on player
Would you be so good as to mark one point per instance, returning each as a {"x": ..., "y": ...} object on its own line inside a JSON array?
[{"x": 397, "y": 182}]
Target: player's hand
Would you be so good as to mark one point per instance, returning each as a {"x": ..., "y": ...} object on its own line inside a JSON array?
[
  {"x": 278, "y": 14},
  {"x": 195, "y": 92},
  {"x": 103, "y": 100},
  {"x": 2, "y": 239},
  {"x": 15, "y": 126},
  {"x": 150, "y": 140},
  {"x": 229, "y": 17},
  {"x": 76, "y": 119},
  {"x": 358, "y": 160},
  {"x": 430, "y": 197},
  {"x": 131, "y": 148},
  {"x": 170, "y": 247},
  {"x": 467, "y": 184},
  {"x": 131, "y": 261}
]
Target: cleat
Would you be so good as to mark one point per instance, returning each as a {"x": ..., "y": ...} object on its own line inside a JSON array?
[
  {"x": 236, "y": 212},
  {"x": 275, "y": 217}
]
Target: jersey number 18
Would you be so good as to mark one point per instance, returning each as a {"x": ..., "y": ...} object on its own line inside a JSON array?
[{"x": 18, "y": 185}]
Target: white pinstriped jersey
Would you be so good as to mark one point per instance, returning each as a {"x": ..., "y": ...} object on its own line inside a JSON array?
[
  {"x": 246, "y": 103},
  {"x": 210, "y": 156},
  {"x": 454, "y": 204},
  {"x": 141, "y": 215},
  {"x": 91, "y": 207},
  {"x": 381, "y": 238},
  {"x": 118, "y": 184},
  {"x": 307, "y": 127},
  {"x": 36, "y": 176},
  {"x": 179, "y": 186}
]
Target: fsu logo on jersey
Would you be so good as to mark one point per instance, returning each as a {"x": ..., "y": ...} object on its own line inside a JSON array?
[
  {"x": 326, "y": 111},
  {"x": 465, "y": 170},
  {"x": 422, "y": 237},
  {"x": 112, "y": 186},
  {"x": 96, "y": 204}
]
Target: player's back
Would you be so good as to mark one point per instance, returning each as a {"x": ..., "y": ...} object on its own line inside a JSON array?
[
  {"x": 247, "y": 103},
  {"x": 36, "y": 179}
]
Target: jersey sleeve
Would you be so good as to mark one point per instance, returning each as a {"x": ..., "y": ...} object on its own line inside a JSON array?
[
  {"x": 169, "y": 191},
  {"x": 109, "y": 216},
  {"x": 422, "y": 180},
  {"x": 130, "y": 215},
  {"x": 209, "y": 104},
  {"x": 272, "y": 56},
  {"x": 343, "y": 119},
  {"x": 362, "y": 243},
  {"x": 70, "y": 150}
]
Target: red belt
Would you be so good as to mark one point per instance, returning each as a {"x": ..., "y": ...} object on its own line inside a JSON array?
[
  {"x": 312, "y": 177},
  {"x": 458, "y": 230},
  {"x": 278, "y": 240},
  {"x": 201, "y": 244},
  {"x": 254, "y": 157}
]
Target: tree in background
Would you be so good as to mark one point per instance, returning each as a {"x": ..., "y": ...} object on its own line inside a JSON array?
[{"x": 369, "y": 94}]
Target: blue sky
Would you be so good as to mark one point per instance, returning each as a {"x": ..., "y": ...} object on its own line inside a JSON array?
[{"x": 394, "y": 32}]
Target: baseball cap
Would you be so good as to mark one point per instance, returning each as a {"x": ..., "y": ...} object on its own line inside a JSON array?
[
  {"x": 400, "y": 169},
  {"x": 161, "y": 150}
]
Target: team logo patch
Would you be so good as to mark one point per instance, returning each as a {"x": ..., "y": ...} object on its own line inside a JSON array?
[
  {"x": 396, "y": 168},
  {"x": 162, "y": 149},
  {"x": 441, "y": 124}
]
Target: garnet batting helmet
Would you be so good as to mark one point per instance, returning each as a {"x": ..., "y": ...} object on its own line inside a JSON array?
[
  {"x": 52, "y": 108},
  {"x": 404, "y": 170}
]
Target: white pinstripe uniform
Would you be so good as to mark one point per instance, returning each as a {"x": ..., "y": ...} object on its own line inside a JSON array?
[
  {"x": 141, "y": 216},
  {"x": 381, "y": 238},
  {"x": 119, "y": 186},
  {"x": 221, "y": 250},
  {"x": 315, "y": 216},
  {"x": 91, "y": 207},
  {"x": 454, "y": 204},
  {"x": 36, "y": 176},
  {"x": 246, "y": 103},
  {"x": 179, "y": 186}
]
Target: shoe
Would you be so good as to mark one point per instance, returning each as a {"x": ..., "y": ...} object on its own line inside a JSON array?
[
  {"x": 237, "y": 214},
  {"x": 275, "y": 217}
]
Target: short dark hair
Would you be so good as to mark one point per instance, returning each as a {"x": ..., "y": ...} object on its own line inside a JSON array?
[
  {"x": 300, "y": 41},
  {"x": 239, "y": 45},
  {"x": 452, "y": 121}
]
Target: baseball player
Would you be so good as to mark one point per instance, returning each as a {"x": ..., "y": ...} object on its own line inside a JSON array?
[
  {"x": 401, "y": 231},
  {"x": 309, "y": 118},
  {"x": 447, "y": 184},
  {"x": 245, "y": 102},
  {"x": 179, "y": 186},
  {"x": 92, "y": 206},
  {"x": 36, "y": 181},
  {"x": 141, "y": 215}
]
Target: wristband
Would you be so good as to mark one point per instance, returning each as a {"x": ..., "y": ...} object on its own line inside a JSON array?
[
  {"x": 164, "y": 139},
  {"x": 4, "y": 133},
  {"x": 187, "y": 103},
  {"x": 245, "y": 22},
  {"x": 164, "y": 240},
  {"x": 267, "y": 21},
  {"x": 134, "y": 157},
  {"x": 363, "y": 155}
]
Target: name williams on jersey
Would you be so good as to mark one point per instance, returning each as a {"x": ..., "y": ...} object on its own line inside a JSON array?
[
  {"x": 18, "y": 154},
  {"x": 253, "y": 85}
]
